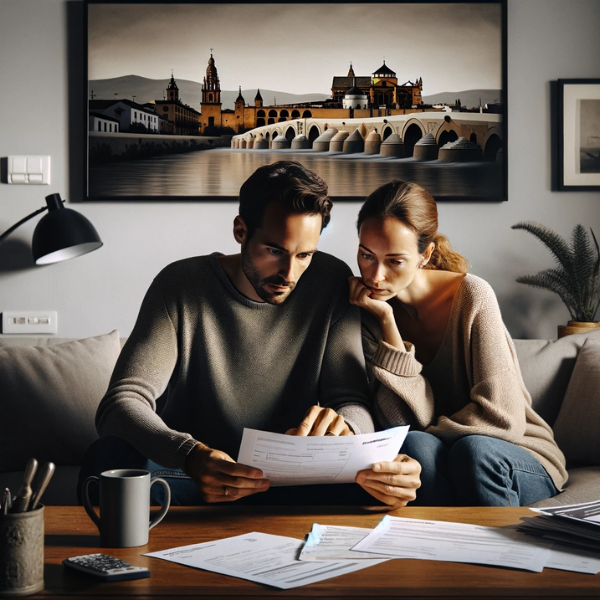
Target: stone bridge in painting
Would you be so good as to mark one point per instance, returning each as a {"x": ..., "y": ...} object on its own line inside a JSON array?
[{"x": 482, "y": 129}]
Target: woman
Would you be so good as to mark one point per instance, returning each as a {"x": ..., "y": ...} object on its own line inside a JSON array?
[{"x": 441, "y": 360}]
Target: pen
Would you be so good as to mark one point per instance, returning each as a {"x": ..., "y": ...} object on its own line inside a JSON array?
[
  {"x": 21, "y": 501},
  {"x": 6, "y": 501},
  {"x": 41, "y": 483}
]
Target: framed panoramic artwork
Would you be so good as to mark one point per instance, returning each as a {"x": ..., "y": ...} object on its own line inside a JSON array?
[
  {"x": 185, "y": 99},
  {"x": 579, "y": 134}
]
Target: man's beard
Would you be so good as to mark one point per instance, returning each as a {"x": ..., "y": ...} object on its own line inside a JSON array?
[{"x": 260, "y": 285}]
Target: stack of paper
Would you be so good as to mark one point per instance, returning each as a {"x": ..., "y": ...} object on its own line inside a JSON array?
[{"x": 575, "y": 525}]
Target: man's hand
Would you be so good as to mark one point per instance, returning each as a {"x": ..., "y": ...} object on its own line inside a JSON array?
[
  {"x": 393, "y": 483},
  {"x": 219, "y": 478},
  {"x": 321, "y": 421}
]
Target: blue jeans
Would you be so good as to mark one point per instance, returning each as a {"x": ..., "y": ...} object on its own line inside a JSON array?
[
  {"x": 476, "y": 470},
  {"x": 113, "y": 453}
]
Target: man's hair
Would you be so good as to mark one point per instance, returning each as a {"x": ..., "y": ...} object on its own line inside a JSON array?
[{"x": 287, "y": 183}]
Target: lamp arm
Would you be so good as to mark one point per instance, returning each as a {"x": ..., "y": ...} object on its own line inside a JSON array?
[{"x": 11, "y": 229}]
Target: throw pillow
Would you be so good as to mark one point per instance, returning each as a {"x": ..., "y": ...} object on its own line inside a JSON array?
[
  {"x": 546, "y": 366},
  {"x": 578, "y": 422},
  {"x": 49, "y": 396}
]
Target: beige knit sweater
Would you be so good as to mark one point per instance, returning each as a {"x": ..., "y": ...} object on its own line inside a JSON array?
[{"x": 473, "y": 385}]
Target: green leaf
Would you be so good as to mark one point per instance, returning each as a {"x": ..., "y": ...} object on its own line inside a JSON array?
[
  {"x": 556, "y": 281},
  {"x": 597, "y": 264},
  {"x": 583, "y": 257},
  {"x": 554, "y": 242},
  {"x": 577, "y": 278}
]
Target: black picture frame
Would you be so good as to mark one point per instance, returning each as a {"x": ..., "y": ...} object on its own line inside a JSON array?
[
  {"x": 578, "y": 134},
  {"x": 465, "y": 174}
]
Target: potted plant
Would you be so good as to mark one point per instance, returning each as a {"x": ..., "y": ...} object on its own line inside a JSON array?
[{"x": 576, "y": 278}]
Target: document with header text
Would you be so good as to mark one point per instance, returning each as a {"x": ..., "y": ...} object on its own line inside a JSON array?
[{"x": 306, "y": 460}]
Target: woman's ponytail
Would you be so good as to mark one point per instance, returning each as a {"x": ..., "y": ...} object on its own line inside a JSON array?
[{"x": 444, "y": 258}]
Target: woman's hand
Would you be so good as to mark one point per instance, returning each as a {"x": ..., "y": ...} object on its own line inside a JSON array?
[
  {"x": 360, "y": 295},
  {"x": 393, "y": 483}
]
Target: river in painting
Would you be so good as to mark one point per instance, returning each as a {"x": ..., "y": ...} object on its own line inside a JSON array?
[{"x": 218, "y": 174}]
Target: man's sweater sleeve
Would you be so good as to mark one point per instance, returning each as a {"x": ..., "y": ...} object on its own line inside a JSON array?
[
  {"x": 141, "y": 375},
  {"x": 343, "y": 381}
]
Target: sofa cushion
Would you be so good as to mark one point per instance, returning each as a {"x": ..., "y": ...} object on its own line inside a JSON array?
[
  {"x": 577, "y": 427},
  {"x": 49, "y": 396},
  {"x": 583, "y": 486},
  {"x": 547, "y": 366}
]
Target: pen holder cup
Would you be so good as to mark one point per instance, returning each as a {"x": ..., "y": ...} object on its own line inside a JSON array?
[{"x": 22, "y": 553}]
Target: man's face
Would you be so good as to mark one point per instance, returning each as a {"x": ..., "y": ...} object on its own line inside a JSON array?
[{"x": 279, "y": 251}]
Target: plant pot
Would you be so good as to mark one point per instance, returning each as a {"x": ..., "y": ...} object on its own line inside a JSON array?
[{"x": 577, "y": 327}]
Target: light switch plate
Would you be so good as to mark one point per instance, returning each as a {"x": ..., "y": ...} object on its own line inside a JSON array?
[
  {"x": 29, "y": 170},
  {"x": 24, "y": 321}
]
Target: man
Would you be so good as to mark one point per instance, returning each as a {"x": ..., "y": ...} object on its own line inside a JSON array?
[{"x": 264, "y": 339}]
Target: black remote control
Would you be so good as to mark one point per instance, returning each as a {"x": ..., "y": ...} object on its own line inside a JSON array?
[{"x": 106, "y": 568}]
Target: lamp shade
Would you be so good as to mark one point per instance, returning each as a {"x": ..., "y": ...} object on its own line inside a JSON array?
[{"x": 62, "y": 234}]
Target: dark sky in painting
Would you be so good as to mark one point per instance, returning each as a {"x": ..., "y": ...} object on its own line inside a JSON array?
[{"x": 298, "y": 48}]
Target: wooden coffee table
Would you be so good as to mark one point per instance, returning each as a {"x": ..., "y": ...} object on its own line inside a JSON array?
[{"x": 69, "y": 532}]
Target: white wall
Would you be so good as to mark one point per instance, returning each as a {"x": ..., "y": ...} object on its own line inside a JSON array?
[{"x": 547, "y": 40}]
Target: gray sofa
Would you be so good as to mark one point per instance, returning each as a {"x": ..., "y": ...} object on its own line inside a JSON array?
[{"x": 50, "y": 388}]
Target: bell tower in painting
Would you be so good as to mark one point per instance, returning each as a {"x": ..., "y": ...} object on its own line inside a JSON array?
[
  {"x": 172, "y": 90},
  {"x": 210, "y": 107}
]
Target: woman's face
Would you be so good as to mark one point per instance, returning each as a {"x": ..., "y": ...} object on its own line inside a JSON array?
[{"x": 388, "y": 256}]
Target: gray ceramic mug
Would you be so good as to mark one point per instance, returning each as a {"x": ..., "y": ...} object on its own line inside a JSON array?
[{"x": 124, "y": 520}]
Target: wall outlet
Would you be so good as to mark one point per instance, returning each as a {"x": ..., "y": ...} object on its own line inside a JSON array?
[{"x": 23, "y": 321}]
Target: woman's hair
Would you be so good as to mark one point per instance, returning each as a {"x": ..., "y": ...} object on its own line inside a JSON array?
[{"x": 414, "y": 206}]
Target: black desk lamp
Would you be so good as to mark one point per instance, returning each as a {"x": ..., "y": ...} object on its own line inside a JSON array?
[{"x": 61, "y": 234}]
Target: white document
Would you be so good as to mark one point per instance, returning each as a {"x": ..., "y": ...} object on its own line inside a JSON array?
[
  {"x": 455, "y": 542},
  {"x": 259, "y": 557},
  {"x": 573, "y": 559},
  {"x": 330, "y": 542},
  {"x": 304, "y": 460}
]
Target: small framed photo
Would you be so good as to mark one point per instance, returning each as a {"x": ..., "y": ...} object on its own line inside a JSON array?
[{"x": 579, "y": 134}]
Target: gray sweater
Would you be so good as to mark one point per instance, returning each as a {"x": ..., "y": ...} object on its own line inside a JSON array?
[{"x": 203, "y": 361}]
